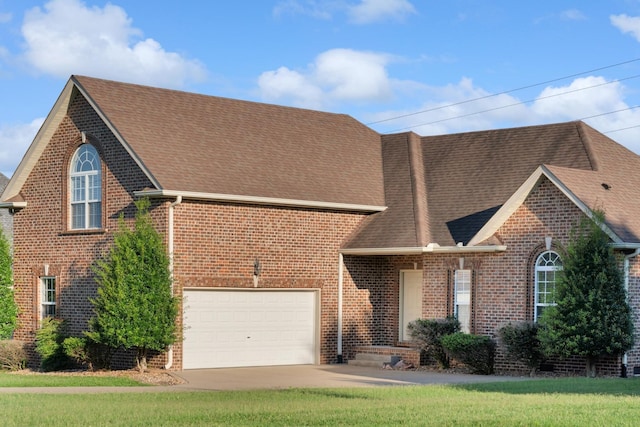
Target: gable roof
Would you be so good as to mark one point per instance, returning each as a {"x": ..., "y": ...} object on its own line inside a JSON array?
[
  {"x": 204, "y": 145},
  {"x": 473, "y": 181}
]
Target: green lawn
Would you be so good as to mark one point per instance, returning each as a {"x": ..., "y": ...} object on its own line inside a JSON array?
[
  {"x": 49, "y": 380},
  {"x": 550, "y": 402}
]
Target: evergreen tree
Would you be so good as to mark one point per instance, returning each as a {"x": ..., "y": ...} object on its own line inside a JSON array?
[
  {"x": 8, "y": 307},
  {"x": 135, "y": 308},
  {"x": 592, "y": 317}
]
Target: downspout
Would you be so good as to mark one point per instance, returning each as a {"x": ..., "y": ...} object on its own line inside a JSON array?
[
  {"x": 340, "y": 280},
  {"x": 170, "y": 244},
  {"x": 626, "y": 291}
]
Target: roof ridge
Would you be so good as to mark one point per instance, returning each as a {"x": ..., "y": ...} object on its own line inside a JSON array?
[
  {"x": 587, "y": 143},
  {"x": 419, "y": 188}
]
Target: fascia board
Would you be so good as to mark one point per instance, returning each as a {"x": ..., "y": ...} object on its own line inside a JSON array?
[
  {"x": 39, "y": 143},
  {"x": 518, "y": 198},
  {"x": 431, "y": 248},
  {"x": 256, "y": 200},
  {"x": 116, "y": 133}
]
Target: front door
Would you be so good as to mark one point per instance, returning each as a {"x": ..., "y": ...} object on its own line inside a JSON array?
[{"x": 410, "y": 300}]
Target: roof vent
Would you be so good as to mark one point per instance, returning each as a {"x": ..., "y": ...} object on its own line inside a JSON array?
[{"x": 606, "y": 186}]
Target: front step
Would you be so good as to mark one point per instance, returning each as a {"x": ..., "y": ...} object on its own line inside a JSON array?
[{"x": 374, "y": 360}]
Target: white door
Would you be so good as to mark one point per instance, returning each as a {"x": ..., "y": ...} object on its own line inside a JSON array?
[
  {"x": 410, "y": 300},
  {"x": 230, "y": 328}
]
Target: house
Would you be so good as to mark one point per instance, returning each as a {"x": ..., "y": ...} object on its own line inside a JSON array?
[{"x": 300, "y": 237}]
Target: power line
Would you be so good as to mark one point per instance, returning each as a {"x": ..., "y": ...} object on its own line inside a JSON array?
[
  {"x": 500, "y": 93},
  {"x": 518, "y": 103}
]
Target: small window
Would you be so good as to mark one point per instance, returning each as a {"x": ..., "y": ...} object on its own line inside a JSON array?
[
  {"x": 548, "y": 265},
  {"x": 48, "y": 297},
  {"x": 86, "y": 189},
  {"x": 462, "y": 299}
]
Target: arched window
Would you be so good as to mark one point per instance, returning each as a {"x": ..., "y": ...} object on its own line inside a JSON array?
[
  {"x": 546, "y": 275},
  {"x": 86, "y": 189}
]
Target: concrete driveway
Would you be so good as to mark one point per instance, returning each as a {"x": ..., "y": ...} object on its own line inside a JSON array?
[
  {"x": 310, "y": 376},
  {"x": 280, "y": 377}
]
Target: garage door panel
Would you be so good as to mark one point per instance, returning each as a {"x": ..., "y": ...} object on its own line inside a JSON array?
[{"x": 249, "y": 328}]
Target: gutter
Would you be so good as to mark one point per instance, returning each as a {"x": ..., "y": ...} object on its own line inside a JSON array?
[
  {"x": 627, "y": 259},
  {"x": 170, "y": 244},
  {"x": 430, "y": 248},
  {"x": 256, "y": 200},
  {"x": 340, "y": 283}
]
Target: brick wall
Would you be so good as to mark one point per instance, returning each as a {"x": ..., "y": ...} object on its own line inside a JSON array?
[
  {"x": 42, "y": 240},
  {"x": 216, "y": 245}
]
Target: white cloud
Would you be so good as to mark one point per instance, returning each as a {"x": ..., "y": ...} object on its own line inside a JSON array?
[
  {"x": 584, "y": 97},
  {"x": 463, "y": 107},
  {"x": 573, "y": 15},
  {"x": 67, "y": 37},
  {"x": 336, "y": 75},
  {"x": 315, "y": 9},
  {"x": 362, "y": 12},
  {"x": 5, "y": 17},
  {"x": 627, "y": 24},
  {"x": 14, "y": 141},
  {"x": 369, "y": 11}
]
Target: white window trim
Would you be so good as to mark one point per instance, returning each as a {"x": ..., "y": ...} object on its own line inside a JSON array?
[
  {"x": 44, "y": 301},
  {"x": 538, "y": 268},
  {"x": 87, "y": 201},
  {"x": 462, "y": 297}
]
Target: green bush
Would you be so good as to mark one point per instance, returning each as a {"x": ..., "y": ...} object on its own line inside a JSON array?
[
  {"x": 476, "y": 351},
  {"x": 13, "y": 356},
  {"x": 522, "y": 344},
  {"x": 49, "y": 339},
  {"x": 427, "y": 333},
  {"x": 85, "y": 352}
]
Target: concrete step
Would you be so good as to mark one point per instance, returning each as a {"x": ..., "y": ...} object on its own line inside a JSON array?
[
  {"x": 374, "y": 357},
  {"x": 373, "y": 360}
]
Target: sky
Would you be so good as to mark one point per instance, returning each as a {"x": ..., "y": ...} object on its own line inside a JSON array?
[{"x": 431, "y": 67}]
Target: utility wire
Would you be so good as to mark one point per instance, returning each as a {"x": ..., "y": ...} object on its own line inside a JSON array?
[
  {"x": 517, "y": 103},
  {"x": 504, "y": 92}
]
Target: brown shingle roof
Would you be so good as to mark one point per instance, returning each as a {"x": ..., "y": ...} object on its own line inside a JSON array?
[
  {"x": 205, "y": 144},
  {"x": 469, "y": 176}
]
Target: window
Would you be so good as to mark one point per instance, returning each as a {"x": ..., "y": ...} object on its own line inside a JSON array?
[
  {"x": 48, "y": 297},
  {"x": 546, "y": 274},
  {"x": 86, "y": 188},
  {"x": 462, "y": 299}
]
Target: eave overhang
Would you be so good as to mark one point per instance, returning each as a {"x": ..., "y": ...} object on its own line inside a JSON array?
[
  {"x": 430, "y": 248},
  {"x": 256, "y": 200},
  {"x": 518, "y": 198}
]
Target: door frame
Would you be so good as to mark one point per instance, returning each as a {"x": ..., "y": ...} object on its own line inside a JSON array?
[{"x": 401, "y": 304}]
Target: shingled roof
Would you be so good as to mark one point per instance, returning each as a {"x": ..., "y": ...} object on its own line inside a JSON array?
[
  {"x": 450, "y": 186},
  {"x": 423, "y": 192},
  {"x": 210, "y": 145}
]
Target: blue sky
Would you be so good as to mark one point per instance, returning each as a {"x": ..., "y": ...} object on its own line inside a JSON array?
[{"x": 429, "y": 66}]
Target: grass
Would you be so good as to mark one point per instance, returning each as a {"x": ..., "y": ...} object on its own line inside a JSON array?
[
  {"x": 549, "y": 402},
  {"x": 27, "y": 380}
]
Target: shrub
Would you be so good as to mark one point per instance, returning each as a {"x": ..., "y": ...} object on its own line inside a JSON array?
[
  {"x": 522, "y": 344},
  {"x": 428, "y": 333},
  {"x": 13, "y": 356},
  {"x": 49, "y": 339},
  {"x": 85, "y": 352},
  {"x": 476, "y": 351}
]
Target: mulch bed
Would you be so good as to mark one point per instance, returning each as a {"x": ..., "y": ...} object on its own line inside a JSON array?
[{"x": 151, "y": 376}]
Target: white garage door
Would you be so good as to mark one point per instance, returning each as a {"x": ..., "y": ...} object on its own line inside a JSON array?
[{"x": 230, "y": 328}]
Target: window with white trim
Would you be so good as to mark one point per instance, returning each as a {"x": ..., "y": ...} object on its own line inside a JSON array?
[
  {"x": 86, "y": 189},
  {"x": 548, "y": 264},
  {"x": 462, "y": 299},
  {"x": 47, "y": 297}
]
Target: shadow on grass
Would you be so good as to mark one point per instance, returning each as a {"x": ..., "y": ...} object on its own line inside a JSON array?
[{"x": 604, "y": 386}]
